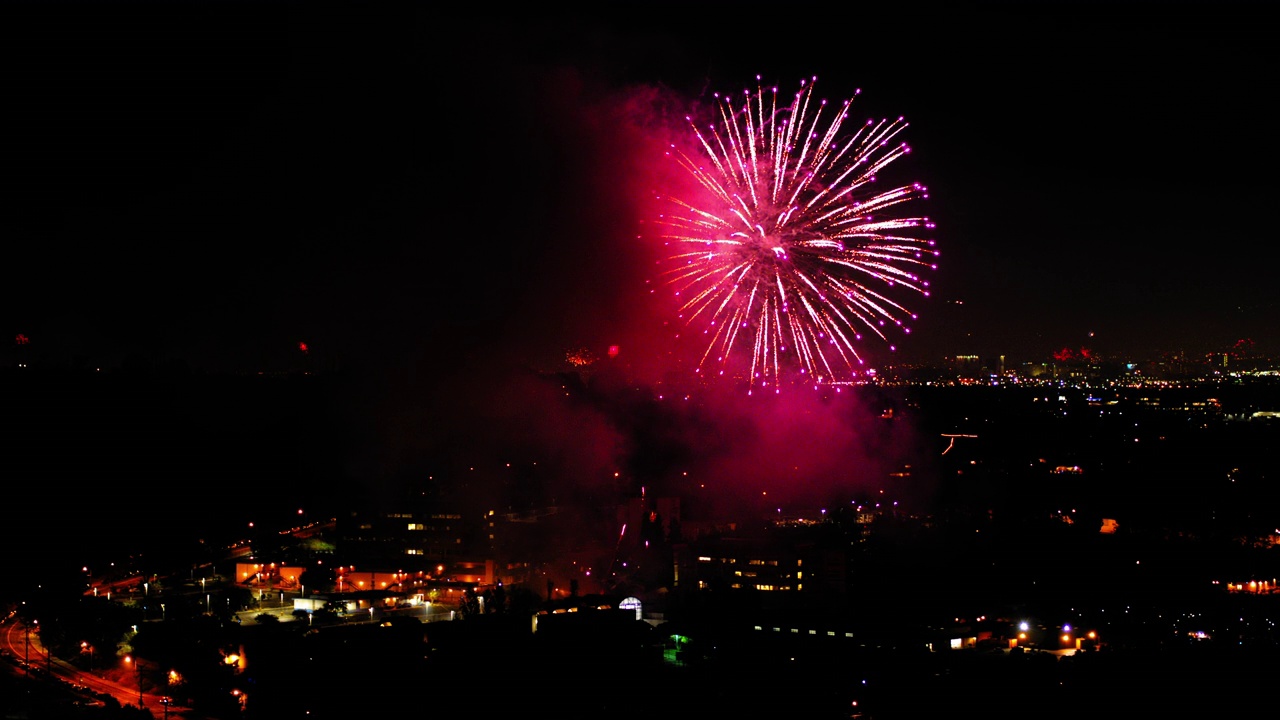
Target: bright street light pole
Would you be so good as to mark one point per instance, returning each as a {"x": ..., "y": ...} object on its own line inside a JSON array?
[{"x": 137, "y": 674}]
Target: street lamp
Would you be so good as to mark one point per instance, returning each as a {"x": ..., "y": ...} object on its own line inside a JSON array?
[
  {"x": 26, "y": 660},
  {"x": 137, "y": 674}
]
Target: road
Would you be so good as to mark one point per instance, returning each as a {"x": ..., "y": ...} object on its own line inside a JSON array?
[
  {"x": 29, "y": 657},
  {"x": 26, "y": 656}
]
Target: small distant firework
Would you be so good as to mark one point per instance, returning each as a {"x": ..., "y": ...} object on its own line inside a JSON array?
[
  {"x": 580, "y": 357},
  {"x": 791, "y": 252}
]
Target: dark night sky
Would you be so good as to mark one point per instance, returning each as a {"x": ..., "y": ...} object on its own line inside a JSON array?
[
  {"x": 220, "y": 181},
  {"x": 432, "y": 202}
]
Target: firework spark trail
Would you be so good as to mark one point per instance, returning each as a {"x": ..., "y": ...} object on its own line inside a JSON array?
[{"x": 792, "y": 256}]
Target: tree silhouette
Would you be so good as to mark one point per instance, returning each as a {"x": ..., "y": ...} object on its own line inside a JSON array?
[{"x": 320, "y": 578}]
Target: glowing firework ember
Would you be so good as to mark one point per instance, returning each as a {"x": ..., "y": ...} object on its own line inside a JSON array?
[{"x": 793, "y": 251}]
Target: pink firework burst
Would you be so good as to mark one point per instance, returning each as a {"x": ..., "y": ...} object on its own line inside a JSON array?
[{"x": 792, "y": 253}]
